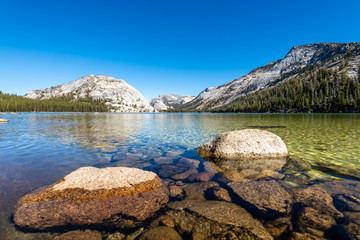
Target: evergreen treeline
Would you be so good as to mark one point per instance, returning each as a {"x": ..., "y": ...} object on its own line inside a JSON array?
[
  {"x": 316, "y": 90},
  {"x": 66, "y": 103}
]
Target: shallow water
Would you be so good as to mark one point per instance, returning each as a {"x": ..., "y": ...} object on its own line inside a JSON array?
[{"x": 39, "y": 149}]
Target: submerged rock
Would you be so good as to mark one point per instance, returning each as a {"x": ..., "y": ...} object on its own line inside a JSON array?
[
  {"x": 79, "y": 235},
  {"x": 314, "y": 211},
  {"x": 213, "y": 219},
  {"x": 267, "y": 198},
  {"x": 249, "y": 148},
  {"x": 116, "y": 197},
  {"x": 161, "y": 233}
]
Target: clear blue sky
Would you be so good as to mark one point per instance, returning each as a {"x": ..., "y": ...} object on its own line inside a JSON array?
[{"x": 159, "y": 47}]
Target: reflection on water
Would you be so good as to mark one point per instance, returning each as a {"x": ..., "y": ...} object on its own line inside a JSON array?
[{"x": 38, "y": 149}]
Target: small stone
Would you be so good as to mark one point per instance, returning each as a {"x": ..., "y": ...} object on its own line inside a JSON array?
[
  {"x": 160, "y": 233},
  {"x": 80, "y": 235},
  {"x": 168, "y": 222},
  {"x": 116, "y": 236},
  {"x": 197, "y": 190},
  {"x": 163, "y": 160},
  {"x": 169, "y": 170},
  {"x": 184, "y": 175},
  {"x": 219, "y": 193},
  {"x": 175, "y": 192},
  {"x": 3, "y": 120},
  {"x": 179, "y": 183},
  {"x": 174, "y": 154},
  {"x": 198, "y": 236},
  {"x": 188, "y": 161},
  {"x": 201, "y": 177},
  {"x": 272, "y": 174}
]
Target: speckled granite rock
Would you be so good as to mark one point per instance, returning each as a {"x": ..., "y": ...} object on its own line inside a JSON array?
[
  {"x": 111, "y": 197},
  {"x": 253, "y": 148}
]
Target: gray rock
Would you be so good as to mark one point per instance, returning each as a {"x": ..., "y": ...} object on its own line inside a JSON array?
[
  {"x": 163, "y": 160},
  {"x": 160, "y": 233},
  {"x": 268, "y": 198},
  {"x": 108, "y": 197},
  {"x": 214, "y": 218},
  {"x": 246, "y": 149}
]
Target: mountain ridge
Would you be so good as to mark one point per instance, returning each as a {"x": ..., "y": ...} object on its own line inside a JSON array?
[
  {"x": 116, "y": 93},
  {"x": 297, "y": 60}
]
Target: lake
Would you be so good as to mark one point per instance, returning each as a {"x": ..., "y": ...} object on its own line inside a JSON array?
[{"x": 37, "y": 149}]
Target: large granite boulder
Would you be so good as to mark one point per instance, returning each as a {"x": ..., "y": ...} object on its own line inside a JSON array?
[
  {"x": 249, "y": 148},
  {"x": 208, "y": 219},
  {"x": 117, "y": 197}
]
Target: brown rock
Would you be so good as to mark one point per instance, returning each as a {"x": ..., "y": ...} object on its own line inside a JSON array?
[
  {"x": 316, "y": 198},
  {"x": 219, "y": 193},
  {"x": 3, "y": 120},
  {"x": 168, "y": 222},
  {"x": 175, "y": 191},
  {"x": 192, "y": 162},
  {"x": 197, "y": 190},
  {"x": 214, "y": 218},
  {"x": 109, "y": 197},
  {"x": 160, "y": 233},
  {"x": 79, "y": 235},
  {"x": 303, "y": 236},
  {"x": 311, "y": 219},
  {"x": 201, "y": 177},
  {"x": 268, "y": 198},
  {"x": 116, "y": 236},
  {"x": 169, "y": 170},
  {"x": 182, "y": 176}
]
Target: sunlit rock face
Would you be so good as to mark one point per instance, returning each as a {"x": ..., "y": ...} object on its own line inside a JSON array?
[
  {"x": 164, "y": 102},
  {"x": 116, "y": 93},
  {"x": 116, "y": 197},
  {"x": 298, "y": 58},
  {"x": 247, "y": 149}
]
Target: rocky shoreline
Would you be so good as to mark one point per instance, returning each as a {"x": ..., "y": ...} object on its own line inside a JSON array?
[{"x": 225, "y": 198}]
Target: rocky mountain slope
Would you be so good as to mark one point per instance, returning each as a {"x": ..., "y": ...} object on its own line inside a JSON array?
[
  {"x": 299, "y": 58},
  {"x": 164, "y": 102},
  {"x": 117, "y": 94}
]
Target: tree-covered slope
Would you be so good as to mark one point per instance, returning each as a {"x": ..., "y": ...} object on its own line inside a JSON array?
[{"x": 66, "y": 103}]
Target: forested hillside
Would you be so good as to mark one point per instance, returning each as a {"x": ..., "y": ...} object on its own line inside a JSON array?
[
  {"x": 316, "y": 90},
  {"x": 66, "y": 103}
]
